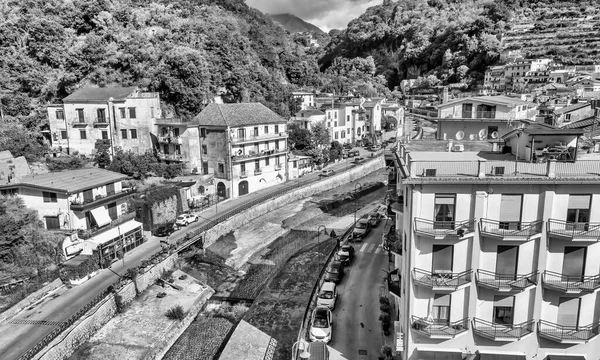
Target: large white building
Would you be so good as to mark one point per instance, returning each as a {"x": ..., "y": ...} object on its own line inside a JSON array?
[{"x": 500, "y": 259}]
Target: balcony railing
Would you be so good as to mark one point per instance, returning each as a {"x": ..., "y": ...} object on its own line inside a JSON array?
[
  {"x": 87, "y": 234},
  {"x": 99, "y": 200},
  {"x": 393, "y": 281},
  {"x": 510, "y": 230},
  {"x": 170, "y": 157},
  {"x": 506, "y": 282},
  {"x": 170, "y": 140},
  {"x": 221, "y": 175},
  {"x": 100, "y": 122},
  {"x": 257, "y": 171},
  {"x": 567, "y": 334},
  {"x": 253, "y": 154},
  {"x": 442, "y": 229},
  {"x": 502, "y": 332},
  {"x": 574, "y": 231},
  {"x": 78, "y": 123},
  {"x": 441, "y": 281},
  {"x": 173, "y": 121},
  {"x": 570, "y": 284},
  {"x": 439, "y": 330},
  {"x": 262, "y": 137}
]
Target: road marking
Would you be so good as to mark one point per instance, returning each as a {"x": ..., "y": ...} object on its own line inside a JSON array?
[
  {"x": 363, "y": 247},
  {"x": 371, "y": 247},
  {"x": 377, "y": 250}
]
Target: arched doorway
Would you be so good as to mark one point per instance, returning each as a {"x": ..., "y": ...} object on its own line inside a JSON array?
[
  {"x": 243, "y": 188},
  {"x": 221, "y": 191}
]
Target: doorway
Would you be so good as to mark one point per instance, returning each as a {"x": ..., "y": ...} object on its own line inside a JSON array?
[
  {"x": 221, "y": 191},
  {"x": 243, "y": 188}
]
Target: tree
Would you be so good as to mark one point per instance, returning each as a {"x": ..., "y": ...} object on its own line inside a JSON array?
[
  {"x": 320, "y": 134},
  {"x": 20, "y": 141},
  {"x": 335, "y": 152},
  {"x": 102, "y": 158},
  {"x": 299, "y": 138},
  {"x": 389, "y": 122}
]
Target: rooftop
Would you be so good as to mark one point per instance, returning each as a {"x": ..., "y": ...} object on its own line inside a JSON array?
[
  {"x": 235, "y": 115},
  {"x": 309, "y": 112},
  {"x": 498, "y": 99},
  {"x": 70, "y": 181},
  {"x": 581, "y": 124},
  {"x": 100, "y": 94},
  {"x": 573, "y": 107}
]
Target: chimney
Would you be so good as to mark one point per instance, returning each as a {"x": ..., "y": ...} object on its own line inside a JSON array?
[{"x": 445, "y": 95}]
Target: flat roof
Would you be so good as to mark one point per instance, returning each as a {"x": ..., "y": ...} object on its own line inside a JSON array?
[
  {"x": 497, "y": 99},
  {"x": 100, "y": 94},
  {"x": 444, "y": 156},
  {"x": 70, "y": 181}
]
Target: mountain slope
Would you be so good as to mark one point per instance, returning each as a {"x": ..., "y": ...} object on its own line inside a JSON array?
[{"x": 294, "y": 24}]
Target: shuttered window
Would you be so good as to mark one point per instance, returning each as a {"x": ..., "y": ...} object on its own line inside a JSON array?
[
  {"x": 444, "y": 210},
  {"x": 441, "y": 308},
  {"x": 574, "y": 262},
  {"x": 578, "y": 211},
  {"x": 510, "y": 208},
  {"x": 112, "y": 211},
  {"x": 579, "y": 201},
  {"x": 568, "y": 311},
  {"x": 506, "y": 260},
  {"x": 442, "y": 259},
  {"x": 503, "y": 309}
]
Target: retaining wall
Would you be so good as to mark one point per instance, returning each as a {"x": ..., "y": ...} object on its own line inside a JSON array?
[
  {"x": 83, "y": 329},
  {"x": 328, "y": 183},
  {"x": 30, "y": 299}
]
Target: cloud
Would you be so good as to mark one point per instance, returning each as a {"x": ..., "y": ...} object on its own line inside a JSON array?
[{"x": 326, "y": 14}]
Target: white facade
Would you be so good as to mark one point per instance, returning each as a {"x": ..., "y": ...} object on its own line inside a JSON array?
[{"x": 306, "y": 99}]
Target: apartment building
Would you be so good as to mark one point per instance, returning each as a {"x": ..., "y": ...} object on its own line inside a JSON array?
[
  {"x": 178, "y": 141},
  {"x": 116, "y": 116},
  {"x": 244, "y": 146},
  {"x": 88, "y": 205},
  {"x": 305, "y": 99},
  {"x": 306, "y": 118},
  {"x": 494, "y": 78},
  {"x": 515, "y": 72},
  {"x": 500, "y": 258},
  {"x": 373, "y": 115}
]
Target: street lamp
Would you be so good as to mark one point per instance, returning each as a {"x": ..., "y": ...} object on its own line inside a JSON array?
[
  {"x": 319, "y": 233},
  {"x": 355, "y": 208},
  {"x": 302, "y": 346}
]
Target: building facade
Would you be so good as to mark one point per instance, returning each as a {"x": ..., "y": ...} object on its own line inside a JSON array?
[
  {"x": 244, "y": 146},
  {"x": 306, "y": 100},
  {"x": 115, "y": 116},
  {"x": 178, "y": 141},
  {"x": 498, "y": 257}
]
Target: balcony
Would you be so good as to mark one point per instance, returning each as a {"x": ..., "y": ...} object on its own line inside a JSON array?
[
  {"x": 170, "y": 140},
  {"x": 570, "y": 284},
  {"x": 243, "y": 174},
  {"x": 442, "y": 229},
  {"x": 257, "y": 172},
  {"x": 79, "y": 123},
  {"x": 100, "y": 122},
  {"x": 574, "y": 231},
  {"x": 89, "y": 233},
  {"x": 99, "y": 200},
  {"x": 254, "y": 154},
  {"x": 173, "y": 122},
  {"x": 502, "y": 332},
  {"x": 511, "y": 230},
  {"x": 256, "y": 138},
  {"x": 221, "y": 175},
  {"x": 436, "y": 330},
  {"x": 441, "y": 281},
  {"x": 393, "y": 281},
  {"x": 505, "y": 282},
  {"x": 170, "y": 157},
  {"x": 567, "y": 334}
]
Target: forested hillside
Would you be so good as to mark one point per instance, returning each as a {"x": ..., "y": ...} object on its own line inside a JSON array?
[{"x": 188, "y": 51}]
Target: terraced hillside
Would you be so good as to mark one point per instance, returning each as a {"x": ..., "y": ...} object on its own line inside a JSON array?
[{"x": 568, "y": 32}]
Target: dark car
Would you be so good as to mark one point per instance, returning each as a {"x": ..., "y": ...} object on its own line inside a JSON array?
[
  {"x": 345, "y": 254},
  {"x": 353, "y": 153},
  {"x": 347, "y": 146},
  {"x": 374, "y": 218},
  {"x": 334, "y": 273},
  {"x": 165, "y": 229}
]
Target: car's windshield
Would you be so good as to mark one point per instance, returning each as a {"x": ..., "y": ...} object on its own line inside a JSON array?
[
  {"x": 326, "y": 294},
  {"x": 320, "y": 321},
  {"x": 181, "y": 217},
  {"x": 346, "y": 248},
  {"x": 361, "y": 225},
  {"x": 333, "y": 270}
]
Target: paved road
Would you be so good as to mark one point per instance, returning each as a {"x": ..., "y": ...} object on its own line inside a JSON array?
[
  {"x": 28, "y": 328},
  {"x": 356, "y": 324}
]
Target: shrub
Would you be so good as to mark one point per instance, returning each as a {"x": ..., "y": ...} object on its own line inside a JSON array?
[
  {"x": 385, "y": 307},
  {"x": 175, "y": 313},
  {"x": 166, "y": 274},
  {"x": 384, "y": 300}
]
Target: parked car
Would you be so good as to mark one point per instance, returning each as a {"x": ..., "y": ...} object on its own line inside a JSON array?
[
  {"x": 353, "y": 153},
  {"x": 334, "y": 273},
  {"x": 361, "y": 229},
  {"x": 186, "y": 219},
  {"x": 165, "y": 229},
  {"x": 321, "y": 325},
  {"x": 327, "y": 295},
  {"x": 347, "y": 146},
  {"x": 346, "y": 254},
  {"x": 327, "y": 172},
  {"x": 374, "y": 218}
]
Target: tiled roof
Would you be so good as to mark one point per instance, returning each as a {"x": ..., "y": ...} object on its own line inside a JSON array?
[
  {"x": 233, "y": 115},
  {"x": 71, "y": 181},
  {"x": 309, "y": 112},
  {"x": 100, "y": 94},
  {"x": 580, "y": 124},
  {"x": 574, "y": 107}
]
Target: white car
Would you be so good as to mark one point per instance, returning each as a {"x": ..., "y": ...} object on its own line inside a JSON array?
[
  {"x": 327, "y": 295},
  {"x": 321, "y": 324},
  {"x": 185, "y": 219}
]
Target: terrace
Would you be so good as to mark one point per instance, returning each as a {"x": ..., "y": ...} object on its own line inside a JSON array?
[
  {"x": 510, "y": 231},
  {"x": 506, "y": 282},
  {"x": 570, "y": 284},
  {"x": 441, "y": 281},
  {"x": 99, "y": 200},
  {"x": 437, "y": 330},
  {"x": 502, "y": 332},
  {"x": 567, "y": 334},
  {"x": 442, "y": 229}
]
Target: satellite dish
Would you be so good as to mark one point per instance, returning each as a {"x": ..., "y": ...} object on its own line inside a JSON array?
[
  {"x": 494, "y": 135},
  {"x": 459, "y": 135},
  {"x": 482, "y": 134}
]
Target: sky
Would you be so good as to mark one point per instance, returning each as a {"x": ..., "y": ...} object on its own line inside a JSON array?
[{"x": 326, "y": 14}]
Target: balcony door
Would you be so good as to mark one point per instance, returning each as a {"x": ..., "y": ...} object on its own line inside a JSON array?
[
  {"x": 241, "y": 134},
  {"x": 574, "y": 262},
  {"x": 88, "y": 196},
  {"x": 510, "y": 212},
  {"x": 507, "y": 259},
  {"x": 444, "y": 211},
  {"x": 440, "y": 311},
  {"x": 568, "y": 311},
  {"x": 503, "y": 309},
  {"x": 467, "y": 111},
  {"x": 442, "y": 260},
  {"x": 578, "y": 212}
]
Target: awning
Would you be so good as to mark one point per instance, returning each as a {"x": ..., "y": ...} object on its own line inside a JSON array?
[
  {"x": 565, "y": 357},
  {"x": 440, "y": 355},
  {"x": 100, "y": 214},
  {"x": 500, "y": 357},
  {"x": 114, "y": 232}
]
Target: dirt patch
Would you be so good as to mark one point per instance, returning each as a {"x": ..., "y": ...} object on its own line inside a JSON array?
[
  {"x": 210, "y": 268},
  {"x": 279, "y": 309},
  {"x": 201, "y": 340},
  {"x": 223, "y": 246}
]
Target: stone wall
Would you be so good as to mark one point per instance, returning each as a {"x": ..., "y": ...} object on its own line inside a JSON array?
[
  {"x": 83, "y": 329},
  {"x": 30, "y": 299},
  {"x": 328, "y": 183}
]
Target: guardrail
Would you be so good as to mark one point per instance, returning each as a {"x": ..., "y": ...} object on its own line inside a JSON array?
[{"x": 197, "y": 235}]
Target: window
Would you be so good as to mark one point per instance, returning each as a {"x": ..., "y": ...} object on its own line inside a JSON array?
[
  {"x": 507, "y": 259},
  {"x": 176, "y": 132},
  {"x": 276, "y": 129},
  {"x": 266, "y": 161},
  {"x": 88, "y": 196},
  {"x": 335, "y": 135},
  {"x": 503, "y": 310},
  {"x": 60, "y": 114},
  {"x": 510, "y": 212},
  {"x": 441, "y": 309},
  {"x": 277, "y": 161},
  {"x": 202, "y": 132},
  {"x": 256, "y": 131},
  {"x": 442, "y": 256},
  {"x": 578, "y": 212},
  {"x": 335, "y": 114},
  {"x": 205, "y": 167},
  {"x": 266, "y": 145},
  {"x": 101, "y": 115},
  {"x": 243, "y": 167},
  {"x": 329, "y": 115},
  {"x": 152, "y": 112},
  {"x": 348, "y": 118},
  {"x": 276, "y": 145},
  {"x": 294, "y": 164},
  {"x": 110, "y": 189},
  {"x": 63, "y": 134},
  {"x": 82, "y": 134},
  {"x": 122, "y": 113},
  {"x": 444, "y": 211},
  {"x": 123, "y": 133},
  {"x": 221, "y": 167},
  {"x": 335, "y": 124},
  {"x": 133, "y": 133},
  {"x": 80, "y": 115},
  {"x": 52, "y": 222},
  {"x": 343, "y": 133},
  {"x": 241, "y": 134},
  {"x": 178, "y": 149},
  {"x": 328, "y": 124},
  {"x": 112, "y": 211},
  {"x": 491, "y": 130},
  {"x": 204, "y": 150},
  {"x": 104, "y": 135},
  {"x": 49, "y": 197},
  {"x": 467, "y": 111},
  {"x": 257, "y": 164},
  {"x": 266, "y": 129},
  {"x": 132, "y": 113},
  {"x": 567, "y": 117},
  {"x": 568, "y": 311}
]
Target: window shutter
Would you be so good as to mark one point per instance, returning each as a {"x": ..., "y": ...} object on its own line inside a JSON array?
[
  {"x": 510, "y": 208},
  {"x": 442, "y": 258},
  {"x": 573, "y": 261},
  {"x": 568, "y": 311},
  {"x": 579, "y": 201},
  {"x": 504, "y": 301},
  {"x": 441, "y": 300},
  {"x": 506, "y": 259}
]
